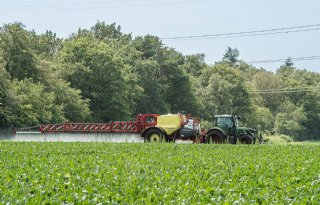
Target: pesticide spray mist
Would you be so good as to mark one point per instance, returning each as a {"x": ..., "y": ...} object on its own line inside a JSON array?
[{"x": 77, "y": 137}]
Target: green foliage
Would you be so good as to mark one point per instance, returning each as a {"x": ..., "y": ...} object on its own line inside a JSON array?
[
  {"x": 179, "y": 93},
  {"x": 102, "y": 74},
  {"x": 21, "y": 63},
  {"x": 102, "y": 173},
  {"x": 285, "y": 71},
  {"x": 311, "y": 106},
  {"x": 277, "y": 139},
  {"x": 34, "y": 104},
  {"x": 101, "y": 31},
  {"x": 45, "y": 45},
  {"x": 231, "y": 55},
  {"x": 261, "y": 118},
  {"x": 206, "y": 124},
  {"x": 5, "y": 94},
  {"x": 290, "y": 120},
  {"x": 94, "y": 70},
  {"x": 224, "y": 91},
  {"x": 165, "y": 82},
  {"x": 152, "y": 99},
  {"x": 266, "y": 82},
  {"x": 75, "y": 109},
  {"x": 194, "y": 64},
  {"x": 289, "y": 62}
]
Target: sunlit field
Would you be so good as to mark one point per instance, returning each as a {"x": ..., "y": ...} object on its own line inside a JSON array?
[{"x": 137, "y": 173}]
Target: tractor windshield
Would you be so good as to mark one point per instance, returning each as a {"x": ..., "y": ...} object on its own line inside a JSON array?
[{"x": 224, "y": 121}]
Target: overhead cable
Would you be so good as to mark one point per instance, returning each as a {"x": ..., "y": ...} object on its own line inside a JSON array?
[
  {"x": 283, "y": 60},
  {"x": 287, "y": 90},
  {"x": 103, "y": 5},
  {"x": 273, "y": 31}
]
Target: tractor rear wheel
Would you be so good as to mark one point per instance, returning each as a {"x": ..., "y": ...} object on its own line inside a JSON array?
[
  {"x": 245, "y": 139},
  {"x": 154, "y": 136},
  {"x": 215, "y": 137}
]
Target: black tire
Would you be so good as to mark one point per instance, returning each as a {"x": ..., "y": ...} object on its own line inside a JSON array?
[
  {"x": 215, "y": 137},
  {"x": 154, "y": 136},
  {"x": 245, "y": 139}
]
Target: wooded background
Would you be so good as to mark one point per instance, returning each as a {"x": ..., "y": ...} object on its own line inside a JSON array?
[{"x": 101, "y": 74}]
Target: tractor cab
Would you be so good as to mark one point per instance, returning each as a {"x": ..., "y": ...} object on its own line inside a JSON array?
[
  {"x": 227, "y": 121},
  {"x": 226, "y": 128}
]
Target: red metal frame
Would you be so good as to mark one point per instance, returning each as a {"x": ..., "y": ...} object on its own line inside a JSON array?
[{"x": 142, "y": 122}]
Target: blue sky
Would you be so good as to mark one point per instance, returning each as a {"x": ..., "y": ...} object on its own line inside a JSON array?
[{"x": 164, "y": 18}]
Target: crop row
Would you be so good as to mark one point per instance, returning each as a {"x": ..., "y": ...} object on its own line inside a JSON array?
[{"x": 93, "y": 173}]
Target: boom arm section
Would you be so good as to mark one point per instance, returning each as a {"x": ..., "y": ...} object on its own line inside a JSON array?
[{"x": 142, "y": 122}]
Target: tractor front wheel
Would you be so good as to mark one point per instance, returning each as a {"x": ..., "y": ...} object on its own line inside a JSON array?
[
  {"x": 245, "y": 139},
  {"x": 154, "y": 136}
]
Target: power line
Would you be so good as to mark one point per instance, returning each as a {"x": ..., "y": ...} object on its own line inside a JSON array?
[
  {"x": 69, "y": 3},
  {"x": 283, "y": 60},
  {"x": 287, "y": 90},
  {"x": 85, "y": 6},
  {"x": 292, "y": 91},
  {"x": 274, "y": 31}
]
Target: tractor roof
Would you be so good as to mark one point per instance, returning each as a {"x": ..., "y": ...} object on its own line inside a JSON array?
[{"x": 223, "y": 116}]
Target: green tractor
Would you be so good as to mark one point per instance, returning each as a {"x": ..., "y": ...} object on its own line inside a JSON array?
[{"x": 226, "y": 129}]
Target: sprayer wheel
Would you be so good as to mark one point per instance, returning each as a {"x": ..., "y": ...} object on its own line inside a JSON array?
[{"x": 154, "y": 136}]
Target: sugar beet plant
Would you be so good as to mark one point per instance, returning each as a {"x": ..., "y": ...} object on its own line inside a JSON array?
[{"x": 102, "y": 173}]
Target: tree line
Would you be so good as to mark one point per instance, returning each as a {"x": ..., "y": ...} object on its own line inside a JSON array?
[{"x": 102, "y": 74}]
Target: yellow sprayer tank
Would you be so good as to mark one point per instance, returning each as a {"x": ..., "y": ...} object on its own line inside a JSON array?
[{"x": 170, "y": 122}]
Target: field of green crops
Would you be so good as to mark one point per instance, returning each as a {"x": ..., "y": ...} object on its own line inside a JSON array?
[{"x": 105, "y": 173}]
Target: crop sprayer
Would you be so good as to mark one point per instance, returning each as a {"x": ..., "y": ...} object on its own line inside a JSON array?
[{"x": 149, "y": 128}]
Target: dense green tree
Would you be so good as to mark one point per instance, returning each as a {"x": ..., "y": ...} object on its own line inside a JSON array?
[
  {"x": 126, "y": 53},
  {"x": 247, "y": 71},
  {"x": 194, "y": 64},
  {"x": 297, "y": 82},
  {"x": 167, "y": 76},
  {"x": 231, "y": 56},
  {"x": 102, "y": 74},
  {"x": 289, "y": 62},
  {"x": 223, "y": 91},
  {"x": 45, "y": 45},
  {"x": 285, "y": 71},
  {"x": 92, "y": 68},
  {"x": 311, "y": 106},
  {"x": 269, "y": 87},
  {"x": 290, "y": 120},
  {"x": 180, "y": 95},
  {"x": 6, "y": 98},
  {"x": 261, "y": 119},
  {"x": 102, "y": 31},
  {"x": 152, "y": 99},
  {"x": 152, "y": 75},
  {"x": 75, "y": 108},
  {"x": 34, "y": 105},
  {"x": 150, "y": 46},
  {"x": 21, "y": 63}
]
